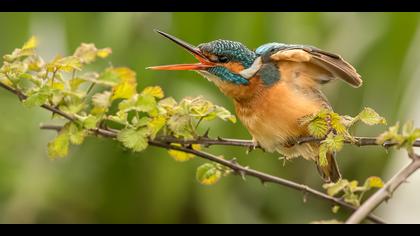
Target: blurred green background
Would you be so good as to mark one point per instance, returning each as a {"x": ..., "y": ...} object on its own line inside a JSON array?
[{"x": 101, "y": 183}]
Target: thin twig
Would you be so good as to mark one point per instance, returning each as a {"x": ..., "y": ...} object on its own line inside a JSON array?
[{"x": 386, "y": 192}]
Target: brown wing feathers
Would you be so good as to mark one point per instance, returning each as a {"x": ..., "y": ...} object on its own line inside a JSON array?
[
  {"x": 338, "y": 67},
  {"x": 330, "y": 62}
]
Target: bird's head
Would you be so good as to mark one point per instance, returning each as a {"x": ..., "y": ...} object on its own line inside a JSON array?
[{"x": 220, "y": 61}]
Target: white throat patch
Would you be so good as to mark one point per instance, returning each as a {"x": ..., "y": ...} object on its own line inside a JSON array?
[{"x": 252, "y": 70}]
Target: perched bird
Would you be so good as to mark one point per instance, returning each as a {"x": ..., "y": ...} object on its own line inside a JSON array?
[{"x": 272, "y": 88}]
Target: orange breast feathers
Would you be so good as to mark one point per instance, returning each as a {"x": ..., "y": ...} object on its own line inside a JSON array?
[{"x": 272, "y": 116}]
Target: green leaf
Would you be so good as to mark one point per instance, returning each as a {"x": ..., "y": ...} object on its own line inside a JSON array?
[
  {"x": 224, "y": 114},
  {"x": 336, "y": 122},
  {"x": 141, "y": 122},
  {"x": 155, "y": 125},
  {"x": 127, "y": 85},
  {"x": 135, "y": 140},
  {"x": 72, "y": 105},
  {"x": 102, "y": 100},
  {"x": 76, "y": 134},
  {"x": 120, "y": 117},
  {"x": 335, "y": 188},
  {"x": 146, "y": 103},
  {"x": 335, "y": 209},
  {"x": 392, "y": 134},
  {"x": 197, "y": 107},
  {"x": 104, "y": 53},
  {"x": 32, "y": 43},
  {"x": 87, "y": 53},
  {"x": 408, "y": 128},
  {"x": 89, "y": 122},
  {"x": 323, "y": 150},
  {"x": 154, "y": 91},
  {"x": 318, "y": 127},
  {"x": 352, "y": 199},
  {"x": 371, "y": 117},
  {"x": 38, "y": 98},
  {"x": 181, "y": 156},
  {"x": 334, "y": 143},
  {"x": 65, "y": 64},
  {"x": 373, "y": 182},
  {"x": 180, "y": 125},
  {"x": 59, "y": 147},
  {"x": 167, "y": 106},
  {"x": 5, "y": 80},
  {"x": 28, "y": 49},
  {"x": 208, "y": 174}
]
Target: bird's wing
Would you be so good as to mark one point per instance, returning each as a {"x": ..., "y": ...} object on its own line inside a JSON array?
[{"x": 333, "y": 65}]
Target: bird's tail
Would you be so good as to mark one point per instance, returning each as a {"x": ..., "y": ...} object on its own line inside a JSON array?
[{"x": 330, "y": 172}]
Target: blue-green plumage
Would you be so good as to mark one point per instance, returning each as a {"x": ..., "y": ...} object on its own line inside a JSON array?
[
  {"x": 234, "y": 51},
  {"x": 227, "y": 75}
]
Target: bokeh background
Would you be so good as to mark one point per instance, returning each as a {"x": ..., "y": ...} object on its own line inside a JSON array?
[{"x": 100, "y": 182}]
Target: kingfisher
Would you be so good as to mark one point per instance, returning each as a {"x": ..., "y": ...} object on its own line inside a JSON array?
[{"x": 272, "y": 88}]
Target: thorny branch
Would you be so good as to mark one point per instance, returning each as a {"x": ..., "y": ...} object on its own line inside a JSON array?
[
  {"x": 166, "y": 142},
  {"x": 232, "y": 164}
]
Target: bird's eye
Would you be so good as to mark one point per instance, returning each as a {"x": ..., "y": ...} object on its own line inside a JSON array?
[{"x": 223, "y": 59}]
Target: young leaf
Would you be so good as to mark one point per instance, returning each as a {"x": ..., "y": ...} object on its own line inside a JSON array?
[
  {"x": 65, "y": 64},
  {"x": 32, "y": 43},
  {"x": 335, "y": 188},
  {"x": 104, "y": 53},
  {"x": 336, "y": 122},
  {"x": 371, "y": 117},
  {"x": 135, "y": 140},
  {"x": 155, "y": 125},
  {"x": 224, "y": 114},
  {"x": 59, "y": 147},
  {"x": 38, "y": 98},
  {"x": 183, "y": 156},
  {"x": 322, "y": 159},
  {"x": 208, "y": 174},
  {"x": 146, "y": 103},
  {"x": 89, "y": 122},
  {"x": 102, "y": 100},
  {"x": 127, "y": 85},
  {"x": 334, "y": 143},
  {"x": 87, "y": 53},
  {"x": 154, "y": 91},
  {"x": 373, "y": 182},
  {"x": 180, "y": 126},
  {"x": 76, "y": 134},
  {"x": 318, "y": 127},
  {"x": 335, "y": 209}
]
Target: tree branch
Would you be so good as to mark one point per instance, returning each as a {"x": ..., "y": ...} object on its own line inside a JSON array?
[
  {"x": 207, "y": 141},
  {"x": 22, "y": 97},
  {"x": 386, "y": 192},
  {"x": 232, "y": 164}
]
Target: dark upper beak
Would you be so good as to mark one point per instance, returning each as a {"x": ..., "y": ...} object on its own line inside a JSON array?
[{"x": 204, "y": 62}]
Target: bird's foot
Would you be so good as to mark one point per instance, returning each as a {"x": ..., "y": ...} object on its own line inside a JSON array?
[
  {"x": 289, "y": 143},
  {"x": 254, "y": 146}
]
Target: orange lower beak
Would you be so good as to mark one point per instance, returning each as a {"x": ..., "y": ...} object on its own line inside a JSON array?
[{"x": 203, "y": 64}]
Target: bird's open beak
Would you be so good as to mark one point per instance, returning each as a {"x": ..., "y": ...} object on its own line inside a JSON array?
[{"x": 203, "y": 64}]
